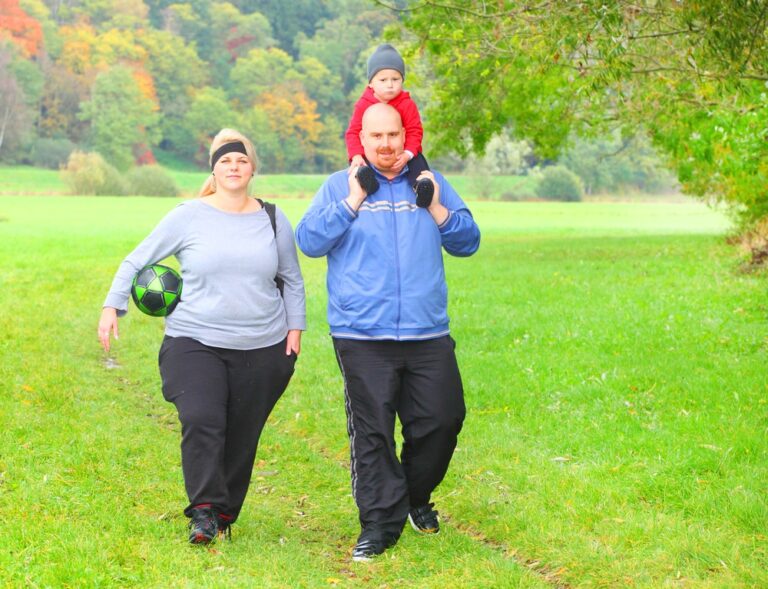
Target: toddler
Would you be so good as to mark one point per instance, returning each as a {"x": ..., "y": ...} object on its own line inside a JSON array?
[{"x": 386, "y": 72}]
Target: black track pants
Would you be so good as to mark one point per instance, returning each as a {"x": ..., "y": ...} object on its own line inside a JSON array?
[
  {"x": 223, "y": 398},
  {"x": 420, "y": 383},
  {"x": 415, "y": 167}
]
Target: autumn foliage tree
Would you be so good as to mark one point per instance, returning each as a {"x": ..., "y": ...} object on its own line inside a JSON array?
[
  {"x": 293, "y": 118},
  {"x": 20, "y": 28},
  {"x": 195, "y": 67}
]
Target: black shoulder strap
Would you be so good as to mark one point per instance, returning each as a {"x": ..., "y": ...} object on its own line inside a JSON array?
[{"x": 270, "y": 208}]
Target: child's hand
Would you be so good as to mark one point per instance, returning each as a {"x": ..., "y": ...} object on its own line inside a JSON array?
[
  {"x": 402, "y": 159},
  {"x": 357, "y": 161}
]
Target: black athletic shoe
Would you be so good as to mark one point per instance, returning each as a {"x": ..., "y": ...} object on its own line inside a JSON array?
[
  {"x": 424, "y": 190},
  {"x": 424, "y": 519},
  {"x": 225, "y": 533},
  {"x": 203, "y": 526},
  {"x": 367, "y": 179},
  {"x": 224, "y": 522},
  {"x": 372, "y": 542}
]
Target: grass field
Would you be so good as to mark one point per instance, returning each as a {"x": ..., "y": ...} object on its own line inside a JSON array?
[
  {"x": 24, "y": 180},
  {"x": 614, "y": 364}
]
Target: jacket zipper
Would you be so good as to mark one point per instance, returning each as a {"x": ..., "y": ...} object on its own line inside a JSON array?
[{"x": 397, "y": 259}]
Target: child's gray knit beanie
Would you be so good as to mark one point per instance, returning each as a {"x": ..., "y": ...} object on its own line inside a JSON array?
[{"x": 385, "y": 57}]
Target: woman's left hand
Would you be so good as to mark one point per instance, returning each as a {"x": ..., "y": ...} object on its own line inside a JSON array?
[{"x": 293, "y": 343}]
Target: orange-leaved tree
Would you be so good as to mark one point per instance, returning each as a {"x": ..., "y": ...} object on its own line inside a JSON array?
[{"x": 20, "y": 28}]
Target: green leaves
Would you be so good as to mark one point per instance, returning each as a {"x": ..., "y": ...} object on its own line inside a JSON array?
[
  {"x": 120, "y": 115},
  {"x": 674, "y": 68}
]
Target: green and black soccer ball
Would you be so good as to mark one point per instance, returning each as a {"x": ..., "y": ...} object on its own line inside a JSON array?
[{"x": 156, "y": 290}]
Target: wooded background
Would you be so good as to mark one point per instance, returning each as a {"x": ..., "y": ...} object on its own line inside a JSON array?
[{"x": 613, "y": 91}]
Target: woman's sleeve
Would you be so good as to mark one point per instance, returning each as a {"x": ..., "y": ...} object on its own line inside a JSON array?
[{"x": 165, "y": 239}]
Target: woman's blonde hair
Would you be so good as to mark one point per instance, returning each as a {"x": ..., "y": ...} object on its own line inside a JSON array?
[{"x": 223, "y": 137}]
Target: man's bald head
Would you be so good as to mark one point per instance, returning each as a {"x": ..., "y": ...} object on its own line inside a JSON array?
[
  {"x": 382, "y": 136},
  {"x": 380, "y": 112}
]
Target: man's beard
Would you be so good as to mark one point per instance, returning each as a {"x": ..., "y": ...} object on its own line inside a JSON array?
[{"x": 386, "y": 155}]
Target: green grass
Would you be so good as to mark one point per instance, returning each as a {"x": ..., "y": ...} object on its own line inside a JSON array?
[
  {"x": 614, "y": 366},
  {"x": 24, "y": 180},
  {"x": 30, "y": 181}
]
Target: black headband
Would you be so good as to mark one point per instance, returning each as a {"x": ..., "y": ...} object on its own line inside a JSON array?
[{"x": 226, "y": 148}]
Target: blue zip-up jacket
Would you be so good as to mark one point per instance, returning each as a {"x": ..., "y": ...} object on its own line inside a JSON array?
[{"x": 386, "y": 279}]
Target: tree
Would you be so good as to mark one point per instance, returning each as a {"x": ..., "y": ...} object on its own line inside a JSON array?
[
  {"x": 339, "y": 44},
  {"x": 84, "y": 49},
  {"x": 269, "y": 147},
  {"x": 504, "y": 155},
  {"x": 693, "y": 73},
  {"x": 14, "y": 117},
  {"x": 233, "y": 35},
  {"x": 323, "y": 86},
  {"x": 109, "y": 14},
  {"x": 20, "y": 28},
  {"x": 121, "y": 117},
  {"x": 38, "y": 10},
  {"x": 190, "y": 20},
  {"x": 292, "y": 117},
  {"x": 177, "y": 72},
  {"x": 63, "y": 92},
  {"x": 207, "y": 115},
  {"x": 258, "y": 71},
  {"x": 616, "y": 164},
  {"x": 288, "y": 18}
]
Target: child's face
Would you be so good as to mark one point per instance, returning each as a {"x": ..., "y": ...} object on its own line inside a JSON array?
[{"x": 386, "y": 84}]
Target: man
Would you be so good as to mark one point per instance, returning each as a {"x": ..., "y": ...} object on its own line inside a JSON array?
[{"x": 387, "y": 310}]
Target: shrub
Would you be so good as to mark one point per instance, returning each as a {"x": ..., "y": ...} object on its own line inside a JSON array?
[
  {"x": 559, "y": 183},
  {"x": 89, "y": 174},
  {"x": 150, "y": 181},
  {"x": 51, "y": 153}
]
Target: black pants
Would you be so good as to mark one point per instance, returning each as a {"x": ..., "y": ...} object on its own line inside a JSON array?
[
  {"x": 223, "y": 398},
  {"x": 420, "y": 383},
  {"x": 416, "y": 166}
]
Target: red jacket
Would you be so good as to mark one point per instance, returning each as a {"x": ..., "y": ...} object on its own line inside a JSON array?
[{"x": 408, "y": 110}]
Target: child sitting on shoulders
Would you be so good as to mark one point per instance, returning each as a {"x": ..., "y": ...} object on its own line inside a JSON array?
[{"x": 386, "y": 72}]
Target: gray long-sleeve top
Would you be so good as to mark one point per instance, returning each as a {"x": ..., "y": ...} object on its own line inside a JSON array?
[{"x": 228, "y": 264}]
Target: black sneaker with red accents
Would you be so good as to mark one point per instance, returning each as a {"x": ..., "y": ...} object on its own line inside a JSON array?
[
  {"x": 424, "y": 519},
  {"x": 224, "y": 522},
  {"x": 203, "y": 525}
]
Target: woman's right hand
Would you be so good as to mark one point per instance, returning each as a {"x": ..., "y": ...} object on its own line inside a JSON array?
[{"x": 107, "y": 324}]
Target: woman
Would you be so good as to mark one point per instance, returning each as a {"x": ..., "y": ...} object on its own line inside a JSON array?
[{"x": 231, "y": 343}]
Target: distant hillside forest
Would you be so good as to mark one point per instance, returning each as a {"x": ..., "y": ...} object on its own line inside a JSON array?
[
  {"x": 142, "y": 81},
  {"x": 129, "y": 77}
]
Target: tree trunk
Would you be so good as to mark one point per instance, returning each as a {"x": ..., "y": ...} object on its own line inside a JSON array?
[{"x": 4, "y": 124}]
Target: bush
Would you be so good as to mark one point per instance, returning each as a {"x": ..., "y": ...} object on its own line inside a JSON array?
[
  {"x": 51, "y": 153},
  {"x": 89, "y": 174},
  {"x": 559, "y": 183},
  {"x": 150, "y": 181}
]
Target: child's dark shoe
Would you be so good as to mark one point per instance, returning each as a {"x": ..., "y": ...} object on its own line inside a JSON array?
[
  {"x": 424, "y": 190},
  {"x": 367, "y": 179}
]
